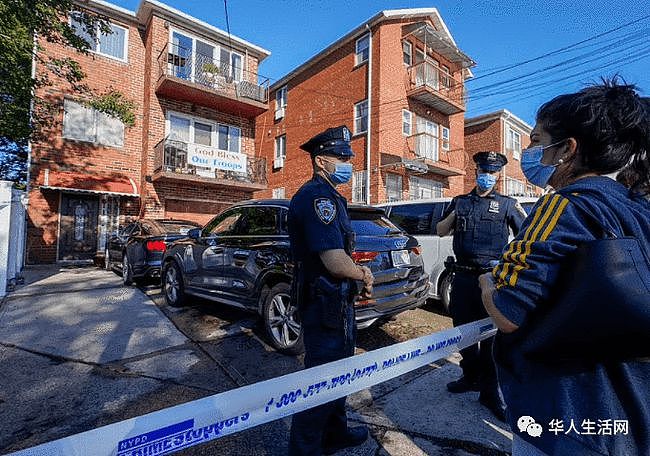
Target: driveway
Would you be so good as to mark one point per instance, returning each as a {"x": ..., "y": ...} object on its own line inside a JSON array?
[{"x": 80, "y": 350}]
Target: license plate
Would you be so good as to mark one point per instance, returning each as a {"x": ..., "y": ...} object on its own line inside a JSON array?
[{"x": 400, "y": 258}]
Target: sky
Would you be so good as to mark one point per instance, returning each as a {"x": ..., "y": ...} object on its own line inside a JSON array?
[{"x": 495, "y": 34}]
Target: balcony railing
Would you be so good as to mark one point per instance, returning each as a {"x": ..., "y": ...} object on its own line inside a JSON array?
[
  {"x": 430, "y": 147},
  {"x": 171, "y": 160},
  {"x": 427, "y": 79},
  {"x": 178, "y": 62}
]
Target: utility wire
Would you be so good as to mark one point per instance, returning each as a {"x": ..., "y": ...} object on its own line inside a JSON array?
[{"x": 548, "y": 54}]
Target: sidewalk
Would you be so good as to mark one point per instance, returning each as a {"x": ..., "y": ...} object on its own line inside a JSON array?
[{"x": 79, "y": 350}]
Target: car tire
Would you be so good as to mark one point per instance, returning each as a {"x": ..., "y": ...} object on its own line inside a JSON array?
[
  {"x": 445, "y": 291},
  {"x": 281, "y": 320},
  {"x": 127, "y": 271},
  {"x": 171, "y": 281}
]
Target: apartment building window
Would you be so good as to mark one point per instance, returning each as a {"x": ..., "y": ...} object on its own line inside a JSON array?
[
  {"x": 281, "y": 148},
  {"x": 281, "y": 97},
  {"x": 393, "y": 187},
  {"x": 86, "y": 124},
  {"x": 362, "y": 49},
  {"x": 112, "y": 45},
  {"x": 445, "y": 138},
  {"x": 407, "y": 122},
  {"x": 201, "y": 61},
  {"x": 514, "y": 143},
  {"x": 205, "y": 132},
  {"x": 445, "y": 76},
  {"x": 361, "y": 117},
  {"x": 278, "y": 193},
  {"x": 359, "y": 187},
  {"x": 420, "y": 188},
  {"x": 426, "y": 143},
  {"x": 515, "y": 187},
  {"x": 407, "y": 53}
]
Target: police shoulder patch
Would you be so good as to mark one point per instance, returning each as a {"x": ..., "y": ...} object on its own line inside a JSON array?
[{"x": 325, "y": 209}]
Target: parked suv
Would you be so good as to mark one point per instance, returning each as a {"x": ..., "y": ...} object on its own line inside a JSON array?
[
  {"x": 242, "y": 258},
  {"x": 419, "y": 218}
]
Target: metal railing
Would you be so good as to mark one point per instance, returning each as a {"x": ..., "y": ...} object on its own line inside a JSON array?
[
  {"x": 426, "y": 74},
  {"x": 179, "y": 62},
  {"x": 430, "y": 147},
  {"x": 170, "y": 156}
]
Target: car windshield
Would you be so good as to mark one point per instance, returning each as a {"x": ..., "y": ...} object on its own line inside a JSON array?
[
  {"x": 372, "y": 224},
  {"x": 177, "y": 227}
]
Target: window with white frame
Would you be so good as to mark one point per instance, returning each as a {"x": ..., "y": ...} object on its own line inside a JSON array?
[
  {"x": 359, "y": 187},
  {"x": 361, "y": 117},
  {"x": 514, "y": 143},
  {"x": 407, "y": 122},
  {"x": 420, "y": 188},
  {"x": 86, "y": 124},
  {"x": 281, "y": 147},
  {"x": 113, "y": 44},
  {"x": 426, "y": 143},
  {"x": 278, "y": 193},
  {"x": 445, "y": 138},
  {"x": 393, "y": 187},
  {"x": 362, "y": 49},
  {"x": 281, "y": 98},
  {"x": 515, "y": 187},
  {"x": 407, "y": 53},
  {"x": 203, "y": 131}
]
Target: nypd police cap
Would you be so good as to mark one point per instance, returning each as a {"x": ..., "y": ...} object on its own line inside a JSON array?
[
  {"x": 490, "y": 161},
  {"x": 333, "y": 141}
]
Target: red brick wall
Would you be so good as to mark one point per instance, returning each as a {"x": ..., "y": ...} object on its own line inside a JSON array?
[
  {"x": 324, "y": 96},
  {"x": 58, "y": 154}
]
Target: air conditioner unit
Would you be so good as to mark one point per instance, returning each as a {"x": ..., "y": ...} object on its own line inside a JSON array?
[
  {"x": 278, "y": 162},
  {"x": 279, "y": 113}
]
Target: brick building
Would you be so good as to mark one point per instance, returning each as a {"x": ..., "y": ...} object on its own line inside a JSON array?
[
  {"x": 503, "y": 132},
  {"x": 190, "y": 153},
  {"x": 397, "y": 81}
]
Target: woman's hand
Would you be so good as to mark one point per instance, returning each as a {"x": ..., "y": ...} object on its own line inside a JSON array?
[{"x": 486, "y": 283}]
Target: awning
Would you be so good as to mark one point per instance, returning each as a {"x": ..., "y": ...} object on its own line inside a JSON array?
[
  {"x": 438, "y": 41},
  {"x": 419, "y": 165},
  {"x": 87, "y": 183}
]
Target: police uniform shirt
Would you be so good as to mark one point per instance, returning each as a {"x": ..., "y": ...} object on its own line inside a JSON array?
[
  {"x": 481, "y": 226},
  {"x": 318, "y": 221}
]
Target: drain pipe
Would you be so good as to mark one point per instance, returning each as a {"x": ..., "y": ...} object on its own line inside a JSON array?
[{"x": 368, "y": 133}]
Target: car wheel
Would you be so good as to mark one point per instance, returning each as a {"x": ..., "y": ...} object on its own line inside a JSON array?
[
  {"x": 172, "y": 285},
  {"x": 281, "y": 321},
  {"x": 445, "y": 291},
  {"x": 127, "y": 272}
]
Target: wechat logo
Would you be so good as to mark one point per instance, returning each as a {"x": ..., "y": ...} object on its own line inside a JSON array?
[{"x": 528, "y": 425}]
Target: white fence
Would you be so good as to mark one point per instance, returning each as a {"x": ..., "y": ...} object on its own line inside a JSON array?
[{"x": 12, "y": 235}]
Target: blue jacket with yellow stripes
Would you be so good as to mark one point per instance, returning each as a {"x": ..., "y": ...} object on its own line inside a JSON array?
[{"x": 579, "y": 394}]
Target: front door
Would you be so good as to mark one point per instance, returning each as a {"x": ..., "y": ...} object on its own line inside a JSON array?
[{"x": 78, "y": 230}]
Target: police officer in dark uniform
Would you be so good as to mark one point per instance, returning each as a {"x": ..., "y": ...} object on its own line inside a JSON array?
[
  {"x": 481, "y": 222},
  {"x": 324, "y": 286}
]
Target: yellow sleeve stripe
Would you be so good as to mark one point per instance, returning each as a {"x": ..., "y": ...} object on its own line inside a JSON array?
[
  {"x": 514, "y": 249},
  {"x": 549, "y": 228}
]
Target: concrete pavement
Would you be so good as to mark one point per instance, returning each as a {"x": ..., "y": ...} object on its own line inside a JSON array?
[{"x": 79, "y": 350}]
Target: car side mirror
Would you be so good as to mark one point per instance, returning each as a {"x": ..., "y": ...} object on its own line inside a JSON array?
[{"x": 194, "y": 233}]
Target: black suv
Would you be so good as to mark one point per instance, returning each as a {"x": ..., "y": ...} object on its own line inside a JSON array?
[{"x": 242, "y": 258}]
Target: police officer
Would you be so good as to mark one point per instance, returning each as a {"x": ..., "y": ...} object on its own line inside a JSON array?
[
  {"x": 480, "y": 222},
  {"x": 324, "y": 286}
]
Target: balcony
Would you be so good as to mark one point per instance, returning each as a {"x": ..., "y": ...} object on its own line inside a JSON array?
[
  {"x": 435, "y": 88},
  {"x": 204, "y": 81},
  {"x": 443, "y": 162},
  {"x": 171, "y": 163}
]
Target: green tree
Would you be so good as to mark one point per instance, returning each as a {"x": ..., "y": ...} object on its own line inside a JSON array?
[{"x": 47, "y": 20}]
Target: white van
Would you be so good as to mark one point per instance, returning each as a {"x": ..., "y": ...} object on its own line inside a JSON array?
[{"x": 419, "y": 218}]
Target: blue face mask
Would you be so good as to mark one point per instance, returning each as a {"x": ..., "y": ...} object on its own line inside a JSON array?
[
  {"x": 342, "y": 173},
  {"x": 535, "y": 171},
  {"x": 485, "y": 181}
]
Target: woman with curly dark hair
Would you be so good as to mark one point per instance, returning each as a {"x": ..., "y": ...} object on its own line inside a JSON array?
[{"x": 571, "y": 294}]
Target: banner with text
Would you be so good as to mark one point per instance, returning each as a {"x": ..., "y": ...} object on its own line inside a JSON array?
[{"x": 213, "y": 158}]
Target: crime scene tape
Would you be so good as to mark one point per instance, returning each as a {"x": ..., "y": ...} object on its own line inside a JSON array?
[{"x": 172, "y": 429}]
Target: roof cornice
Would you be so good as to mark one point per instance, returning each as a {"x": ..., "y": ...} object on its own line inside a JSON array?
[{"x": 504, "y": 115}]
